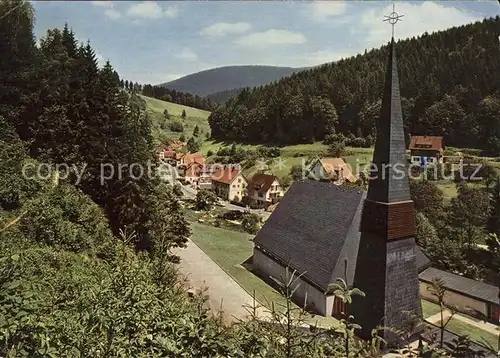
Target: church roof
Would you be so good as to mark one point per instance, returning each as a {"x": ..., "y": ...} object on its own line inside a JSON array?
[{"x": 314, "y": 229}]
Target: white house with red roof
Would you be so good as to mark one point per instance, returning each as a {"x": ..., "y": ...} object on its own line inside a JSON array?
[{"x": 229, "y": 183}]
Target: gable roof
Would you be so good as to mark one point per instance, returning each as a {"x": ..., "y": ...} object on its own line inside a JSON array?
[
  {"x": 193, "y": 157},
  {"x": 314, "y": 228},
  {"x": 338, "y": 164},
  {"x": 226, "y": 175},
  {"x": 472, "y": 288},
  {"x": 261, "y": 182},
  {"x": 426, "y": 142},
  {"x": 194, "y": 169}
]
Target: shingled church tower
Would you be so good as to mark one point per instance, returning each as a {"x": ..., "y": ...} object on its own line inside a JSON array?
[{"x": 386, "y": 269}]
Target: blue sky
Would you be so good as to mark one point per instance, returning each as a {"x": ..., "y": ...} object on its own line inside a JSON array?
[{"x": 154, "y": 42}]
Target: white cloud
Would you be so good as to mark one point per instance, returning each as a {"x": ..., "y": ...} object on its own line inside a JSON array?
[
  {"x": 323, "y": 10},
  {"x": 112, "y": 14},
  {"x": 171, "y": 12},
  {"x": 271, "y": 37},
  {"x": 419, "y": 18},
  {"x": 221, "y": 29},
  {"x": 187, "y": 55},
  {"x": 151, "y": 10},
  {"x": 107, "y": 4}
]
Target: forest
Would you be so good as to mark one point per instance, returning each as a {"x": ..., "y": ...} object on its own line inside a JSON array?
[{"x": 449, "y": 87}]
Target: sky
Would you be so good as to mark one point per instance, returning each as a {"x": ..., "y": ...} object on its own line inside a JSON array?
[{"x": 155, "y": 42}]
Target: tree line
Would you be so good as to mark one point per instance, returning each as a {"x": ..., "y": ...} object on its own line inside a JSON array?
[
  {"x": 165, "y": 94},
  {"x": 449, "y": 86}
]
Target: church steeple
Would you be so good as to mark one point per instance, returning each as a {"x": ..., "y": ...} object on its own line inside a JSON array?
[
  {"x": 390, "y": 183},
  {"x": 386, "y": 269}
]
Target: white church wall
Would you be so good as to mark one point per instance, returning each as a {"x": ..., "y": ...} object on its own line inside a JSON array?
[{"x": 316, "y": 299}]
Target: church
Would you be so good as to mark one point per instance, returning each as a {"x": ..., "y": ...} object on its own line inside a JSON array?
[
  {"x": 320, "y": 230},
  {"x": 325, "y": 232}
]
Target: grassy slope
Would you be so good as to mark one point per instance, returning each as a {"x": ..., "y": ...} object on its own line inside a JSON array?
[{"x": 195, "y": 117}]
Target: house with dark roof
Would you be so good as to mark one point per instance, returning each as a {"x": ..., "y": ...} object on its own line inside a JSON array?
[
  {"x": 264, "y": 190},
  {"x": 472, "y": 297},
  {"x": 426, "y": 150},
  {"x": 314, "y": 230}
]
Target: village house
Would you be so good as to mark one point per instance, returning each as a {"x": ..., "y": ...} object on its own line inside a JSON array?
[
  {"x": 229, "y": 183},
  {"x": 426, "y": 150},
  {"x": 205, "y": 179},
  {"x": 264, "y": 190},
  {"x": 331, "y": 169},
  {"x": 193, "y": 172},
  {"x": 169, "y": 156},
  {"x": 188, "y": 160}
]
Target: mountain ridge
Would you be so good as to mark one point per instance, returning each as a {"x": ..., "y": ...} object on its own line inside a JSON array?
[{"x": 225, "y": 78}]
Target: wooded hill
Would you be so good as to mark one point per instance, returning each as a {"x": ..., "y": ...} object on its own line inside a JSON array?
[
  {"x": 449, "y": 86},
  {"x": 225, "y": 78}
]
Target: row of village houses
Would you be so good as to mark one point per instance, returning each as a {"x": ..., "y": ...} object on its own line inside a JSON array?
[{"x": 263, "y": 190}]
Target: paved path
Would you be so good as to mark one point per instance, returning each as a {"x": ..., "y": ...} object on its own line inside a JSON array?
[{"x": 201, "y": 272}]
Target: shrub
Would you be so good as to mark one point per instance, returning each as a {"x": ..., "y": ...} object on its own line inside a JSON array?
[
  {"x": 210, "y": 153},
  {"x": 332, "y": 138},
  {"x": 205, "y": 200},
  {"x": 176, "y": 126},
  {"x": 336, "y": 149},
  {"x": 66, "y": 218},
  {"x": 232, "y": 215},
  {"x": 193, "y": 145},
  {"x": 251, "y": 223}
]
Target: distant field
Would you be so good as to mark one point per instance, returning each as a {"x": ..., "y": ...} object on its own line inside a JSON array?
[
  {"x": 175, "y": 109},
  {"x": 194, "y": 117}
]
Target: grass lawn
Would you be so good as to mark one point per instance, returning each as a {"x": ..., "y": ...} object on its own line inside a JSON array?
[
  {"x": 195, "y": 117},
  {"x": 459, "y": 327},
  {"x": 429, "y": 308},
  {"x": 475, "y": 334},
  {"x": 174, "y": 109}
]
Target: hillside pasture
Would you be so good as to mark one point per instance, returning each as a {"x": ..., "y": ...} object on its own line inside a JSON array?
[{"x": 194, "y": 117}]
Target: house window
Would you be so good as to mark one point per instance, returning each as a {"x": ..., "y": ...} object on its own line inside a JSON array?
[{"x": 239, "y": 180}]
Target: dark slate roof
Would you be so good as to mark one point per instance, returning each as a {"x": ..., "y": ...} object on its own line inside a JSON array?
[
  {"x": 314, "y": 228},
  {"x": 390, "y": 146},
  {"x": 476, "y": 289}
]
